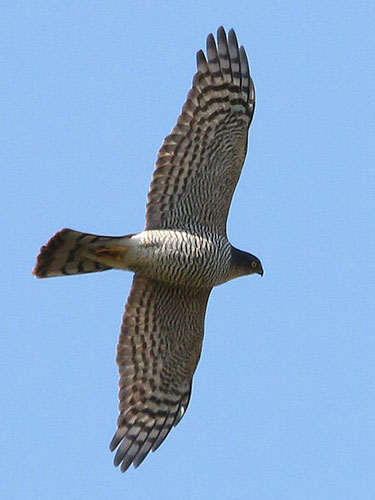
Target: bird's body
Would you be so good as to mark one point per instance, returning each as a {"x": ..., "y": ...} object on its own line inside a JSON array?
[
  {"x": 199, "y": 261},
  {"x": 182, "y": 253}
]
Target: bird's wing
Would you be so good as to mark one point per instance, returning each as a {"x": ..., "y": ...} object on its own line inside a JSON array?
[
  {"x": 158, "y": 350},
  {"x": 199, "y": 163}
]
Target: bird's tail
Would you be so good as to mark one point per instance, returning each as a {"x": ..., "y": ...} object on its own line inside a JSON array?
[{"x": 72, "y": 252}]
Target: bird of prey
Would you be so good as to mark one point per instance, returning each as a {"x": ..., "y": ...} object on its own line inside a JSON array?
[{"x": 178, "y": 258}]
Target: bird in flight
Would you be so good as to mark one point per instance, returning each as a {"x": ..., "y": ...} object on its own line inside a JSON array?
[{"x": 178, "y": 258}]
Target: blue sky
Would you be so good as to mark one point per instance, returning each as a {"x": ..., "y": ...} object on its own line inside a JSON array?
[{"x": 283, "y": 399}]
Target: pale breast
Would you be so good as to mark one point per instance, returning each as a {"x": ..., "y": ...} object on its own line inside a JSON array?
[{"x": 179, "y": 257}]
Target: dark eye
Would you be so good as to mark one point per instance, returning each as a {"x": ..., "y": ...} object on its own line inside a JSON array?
[{"x": 254, "y": 264}]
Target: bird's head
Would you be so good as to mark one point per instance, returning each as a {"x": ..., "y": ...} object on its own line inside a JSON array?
[{"x": 244, "y": 263}]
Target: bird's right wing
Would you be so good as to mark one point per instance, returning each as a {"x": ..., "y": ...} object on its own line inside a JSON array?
[
  {"x": 199, "y": 163},
  {"x": 158, "y": 350}
]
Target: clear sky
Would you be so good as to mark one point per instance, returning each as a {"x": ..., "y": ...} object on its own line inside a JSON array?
[{"x": 283, "y": 401}]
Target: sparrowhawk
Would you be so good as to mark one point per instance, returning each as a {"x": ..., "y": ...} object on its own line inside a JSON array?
[{"x": 178, "y": 258}]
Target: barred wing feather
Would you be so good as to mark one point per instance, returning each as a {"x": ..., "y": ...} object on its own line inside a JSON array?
[
  {"x": 199, "y": 163},
  {"x": 158, "y": 351}
]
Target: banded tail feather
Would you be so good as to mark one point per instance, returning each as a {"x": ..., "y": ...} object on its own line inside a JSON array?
[{"x": 71, "y": 252}]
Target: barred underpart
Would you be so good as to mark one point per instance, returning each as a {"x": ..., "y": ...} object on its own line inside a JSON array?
[{"x": 181, "y": 258}]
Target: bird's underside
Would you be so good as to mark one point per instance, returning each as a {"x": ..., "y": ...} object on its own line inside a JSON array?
[{"x": 182, "y": 253}]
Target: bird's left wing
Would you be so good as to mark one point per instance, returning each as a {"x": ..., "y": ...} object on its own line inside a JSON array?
[
  {"x": 158, "y": 350},
  {"x": 199, "y": 163}
]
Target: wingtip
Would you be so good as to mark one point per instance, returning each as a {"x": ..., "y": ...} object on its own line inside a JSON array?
[
  {"x": 232, "y": 40},
  {"x": 210, "y": 46},
  {"x": 201, "y": 58},
  {"x": 220, "y": 31}
]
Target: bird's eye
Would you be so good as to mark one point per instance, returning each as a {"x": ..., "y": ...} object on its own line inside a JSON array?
[{"x": 254, "y": 264}]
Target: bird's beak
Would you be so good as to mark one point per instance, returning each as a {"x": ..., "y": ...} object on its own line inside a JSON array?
[{"x": 261, "y": 272}]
